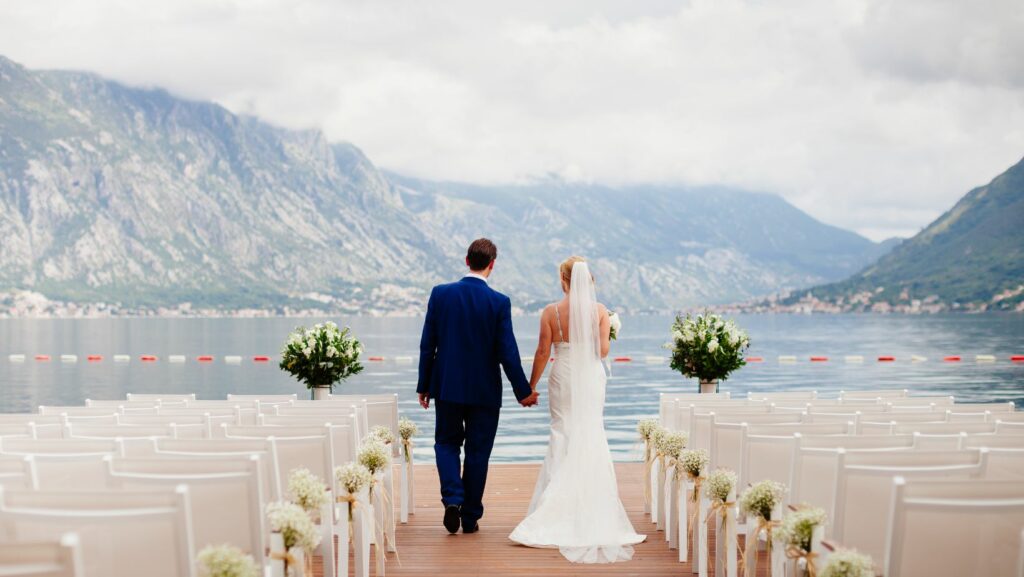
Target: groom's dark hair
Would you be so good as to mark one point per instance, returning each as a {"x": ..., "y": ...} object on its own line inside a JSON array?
[{"x": 481, "y": 254}]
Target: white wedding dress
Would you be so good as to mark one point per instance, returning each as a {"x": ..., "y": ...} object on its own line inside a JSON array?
[{"x": 576, "y": 506}]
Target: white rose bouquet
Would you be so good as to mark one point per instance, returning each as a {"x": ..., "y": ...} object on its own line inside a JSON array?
[
  {"x": 616, "y": 325},
  {"x": 707, "y": 347},
  {"x": 321, "y": 356}
]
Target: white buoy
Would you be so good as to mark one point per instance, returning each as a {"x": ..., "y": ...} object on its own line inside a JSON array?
[
  {"x": 69, "y": 358},
  {"x": 122, "y": 358},
  {"x": 854, "y": 358},
  {"x": 787, "y": 358},
  {"x": 984, "y": 358},
  {"x": 654, "y": 360},
  {"x": 233, "y": 360},
  {"x": 176, "y": 358},
  {"x": 16, "y": 358},
  {"x": 917, "y": 359},
  {"x": 406, "y": 360}
]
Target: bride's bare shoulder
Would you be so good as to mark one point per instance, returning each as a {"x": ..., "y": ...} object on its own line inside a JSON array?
[{"x": 602, "y": 309}]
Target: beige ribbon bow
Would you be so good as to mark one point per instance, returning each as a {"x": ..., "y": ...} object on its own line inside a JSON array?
[
  {"x": 797, "y": 553},
  {"x": 721, "y": 507},
  {"x": 289, "y": 559}
]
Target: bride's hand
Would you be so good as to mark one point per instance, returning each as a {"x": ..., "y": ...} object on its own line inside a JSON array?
[{"x": 530, "y": 400}]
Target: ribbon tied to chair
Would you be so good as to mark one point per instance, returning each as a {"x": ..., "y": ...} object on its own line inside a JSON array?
[
  {"x": 291, "y": 561},
  {"x": 722, "y": 508},
  {"x": 798, "y": 553}
]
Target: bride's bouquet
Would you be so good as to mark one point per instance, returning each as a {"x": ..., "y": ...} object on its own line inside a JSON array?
[
  {"x": 616, "y": 325},
  {"x": 707, "y": 347},
  {"x": 321, "y": 356}
]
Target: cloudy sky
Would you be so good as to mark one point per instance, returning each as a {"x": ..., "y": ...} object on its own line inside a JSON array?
[{"x": 873, "y": 115}]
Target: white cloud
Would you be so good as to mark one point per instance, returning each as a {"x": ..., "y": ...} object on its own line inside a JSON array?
[{"x": 874, "y": 115}]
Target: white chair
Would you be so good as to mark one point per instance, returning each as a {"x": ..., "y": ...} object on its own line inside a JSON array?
[
  {"x": 667, "y": 403},
  {"x": 121, "y": 533},
  {"x": 25, "y": 418},
  {"x": 1009, "y": 428},
  {"x": 993, "y": 441},
  {"x": 896, "y": 427},
  {"x": 873, "y": 394},
  {"x": 766, "y": 451},
  {"x": 226, "y": 494},
  {"x": 61, "y": 557},
  {"x": 161, "y": 397},
  {"x": 954, "y": 528},
  {"x": 225, "y": 449},
  {"x": 862, "y": 491},
  {"x": 77, "y": 411},
  {"x": 706, "y": 429},
  {"x": 911, "y": 401},
  {"x": 786, "y": 396},
  {"x": 15, "y": 472},
  {"x": 59, "y": 446},
  {"x": 1007, "y": 407},
  {"x": 123, "y": 431},
  {"x": 68, "y": 472},
  {"x": 263, "y": 398}
]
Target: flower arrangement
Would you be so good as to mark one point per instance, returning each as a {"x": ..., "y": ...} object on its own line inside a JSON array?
[
  {"x": 760, "y": 498},
  {"x": 353, "y": 477},
  {"x": 646, "y": 427},
  {"x": 719, "y": 484},
  {"x": 656, "y": 435},
  {"x": 407, "y": 430},
  {"x": 694, "y": 461},
  {"x": 321, "y": 356},
  {"x": 671, "y": 444},
  {"x": 307, "y": 490},
  {"x": 848, "y": 563},
  {"x": 707, "y": 347},
  {"x": 797, "y": 528},
  {"x": 294, "y": 524},
  {"x": 616, "y": 325},
  {"x": 383, "y": 434},
  {"x": 373, "y": 455},
  {"x": 226, "y": 561}
]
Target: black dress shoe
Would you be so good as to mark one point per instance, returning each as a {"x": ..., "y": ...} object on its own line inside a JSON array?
[
  {"x": 452, "y": 518},
  {"x": 470, "y": 528}
]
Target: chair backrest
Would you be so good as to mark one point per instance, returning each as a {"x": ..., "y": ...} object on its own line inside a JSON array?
[
  {"x": 993, "y": 441},
  {"x": 91, "y": 419},
  {"x": 954, "y": 417},
  {"x": 226, "y": 449},
  {"x": 60, "y": 557},
  {"x": 226, "y": 494},
  {"x": 783, "y": 396},
  {"x": 263, "y": 398},
  {"x": 241, "y": 404},
  {"x": 1007, "y": 407},
  {"x": 58, "y": 446},
  {"x": 862, "y": 491},
  {"x": 118, "y": 404},
  {"x": 667, "y": 403},
  {"x": 120, "y": 431},
  {"x": 1004, "y": 463},
  {"x": 916, "y": 401},
  {"x": 15, "y": 472},
  {"x": 873, "y": 394},
  {"x": 161, "y": 397},
  {"x": 25, "y": 418},
  {"x": 901, "y": 418},
  {"x": 954, "y": 528},
  {"x": 1009, "y": 427},
  {"x": 815, "y": 465},
  {"x": 68, "y": 472},
  {"x": 120, "y": 532},
  {"x": 699, "y": 431},
  {"x": 848, "y": 409},
  {"x": 77, "y": 411}
]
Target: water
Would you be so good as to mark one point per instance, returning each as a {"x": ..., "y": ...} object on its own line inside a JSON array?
[{"x": 632, "y": 390}]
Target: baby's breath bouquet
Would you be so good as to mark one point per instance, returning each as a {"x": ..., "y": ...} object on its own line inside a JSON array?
[
  {"x": 307, "y": 490},
  {"x": 226, "y": 561},
  {"x": 707, "y": 347},
  {"x": 294, "y": 524},
  {"x": 646, "y": 428},
  {"x": 373, "y": 454},
  {"x": 797, "y": 528},
  {"x": 321, "y": 356},
  {"x": 352, "y": 477},
  {"x": 693, "y": 462},
  {"x": 719, "y": 484},
  {"x": 383, "y": 434},
  {"x": 407, "y": 430},
  {"x": 848, "y": 563},
  {"x": 671, "y": 444},
  {"x": 758, "y": 501}
]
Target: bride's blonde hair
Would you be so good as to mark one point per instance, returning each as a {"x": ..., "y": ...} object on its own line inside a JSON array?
[{"x": 565, "y": 269}]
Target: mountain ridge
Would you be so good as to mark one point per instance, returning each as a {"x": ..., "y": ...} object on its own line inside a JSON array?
[{"x": 115, "y": 194}]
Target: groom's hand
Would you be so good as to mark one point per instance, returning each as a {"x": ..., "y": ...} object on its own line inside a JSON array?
[
  {"x": 531, "y": 400},
  {"x": 425, "y": 400}
]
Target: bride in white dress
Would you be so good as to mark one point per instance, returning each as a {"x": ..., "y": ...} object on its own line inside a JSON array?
[{"x": 576, "y": 506}]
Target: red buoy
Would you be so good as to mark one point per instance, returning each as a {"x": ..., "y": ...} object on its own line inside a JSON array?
[
  {"x": 1017, "y": 358},
  {"x": 623, "y": 359},
  {"x": 147, "y": 358},
  {"x": 260, "y": 359},
  {"x": 94, "y": 358},
  {"x": 755, "y": 359},
  {"x": 819, "y": 359},
  {"x": 886, "y": 359},
  {"x": 42, "y": 358},
  {"x": 205, "y": 358},
  {"x": 375, "y": 359},
  {"x": 952, "y": 359}
]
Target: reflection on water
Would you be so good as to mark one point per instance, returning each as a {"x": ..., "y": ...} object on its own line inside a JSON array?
[{"x": 632, "y": 390}]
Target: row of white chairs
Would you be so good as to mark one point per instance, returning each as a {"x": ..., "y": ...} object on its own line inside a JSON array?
[
  {"x": 231, "y": 469},
  {"x": 839, "y": 462}
]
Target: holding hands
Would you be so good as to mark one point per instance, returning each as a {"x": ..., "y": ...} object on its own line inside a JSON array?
[{"x": 531, "y": 400}]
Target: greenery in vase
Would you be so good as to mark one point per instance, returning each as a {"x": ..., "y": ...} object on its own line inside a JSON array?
[
  {"x": 707, "y": 347},
  {"x": 321, "y": 356}
]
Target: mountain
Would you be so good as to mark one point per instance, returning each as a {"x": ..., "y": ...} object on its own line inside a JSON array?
[
  {"x": 115, "y": 194},
  {"x": 971, "y": 257}
]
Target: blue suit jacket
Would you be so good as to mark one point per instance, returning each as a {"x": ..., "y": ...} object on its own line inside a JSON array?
[{"x": 466, "y": 335}]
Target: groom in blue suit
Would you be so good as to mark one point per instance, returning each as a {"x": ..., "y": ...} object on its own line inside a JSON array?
[{"x": 466, "y": 336}]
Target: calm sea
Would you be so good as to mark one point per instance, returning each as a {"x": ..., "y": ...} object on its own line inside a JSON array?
[{"x": 632, "y": 390}]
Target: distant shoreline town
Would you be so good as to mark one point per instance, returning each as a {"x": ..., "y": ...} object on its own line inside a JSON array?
[{"x": 409, "y": 303}]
